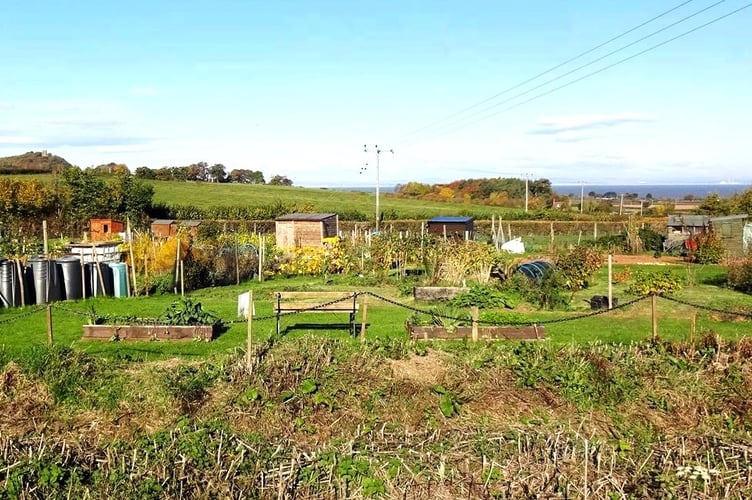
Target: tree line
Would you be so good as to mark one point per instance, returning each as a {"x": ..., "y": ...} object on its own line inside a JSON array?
[
  {"x": 72, "y": 198},
  {"x": 491, "y": 191},
  {"x": 202, "y": 172}
]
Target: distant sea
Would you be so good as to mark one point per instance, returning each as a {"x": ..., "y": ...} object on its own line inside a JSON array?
[{"x": 665, "y": 191}]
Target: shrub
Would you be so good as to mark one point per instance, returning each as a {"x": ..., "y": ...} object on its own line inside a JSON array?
[
  {"x": 709, "y": 248},
  {"x": 654, "y": 283},
  {"x": 740, "y": 275},
  {"x": 578, "y": 266},
  {"x": 545, "y": 293},
  {"x": 482, "y": 296},
  {"x": 652, "y": 240}
]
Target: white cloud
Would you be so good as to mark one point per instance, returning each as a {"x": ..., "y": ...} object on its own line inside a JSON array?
[{"x": 562, "y": 125}]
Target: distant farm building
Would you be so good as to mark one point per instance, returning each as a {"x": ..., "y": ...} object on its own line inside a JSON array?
[
  {"x": 303, "y": 230},
  {"x": 164, "y": 228},
  {"x": 452, "y": 226},
  {"x": 105, "y": 229}
]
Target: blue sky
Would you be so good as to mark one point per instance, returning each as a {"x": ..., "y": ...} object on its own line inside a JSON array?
[{"x": 297, "y": 87}]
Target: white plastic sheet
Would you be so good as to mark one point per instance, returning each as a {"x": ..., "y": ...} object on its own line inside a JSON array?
[{"x": 514, "y": 246}]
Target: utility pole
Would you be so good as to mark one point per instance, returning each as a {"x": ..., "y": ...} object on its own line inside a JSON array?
[
  {"x": 527, "y": 190},
  {"x": 378, "y": 150},
  {"x": 582, "y": 195}
]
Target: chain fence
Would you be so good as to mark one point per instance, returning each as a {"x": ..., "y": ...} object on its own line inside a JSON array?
[{"x": 122, "y": 319}]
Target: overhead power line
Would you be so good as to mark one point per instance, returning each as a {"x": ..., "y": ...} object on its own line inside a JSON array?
[
  {"x": 470, "y": 117},
  {"x": 596, "y": 72},
  {"x": 549, "y": 70}
]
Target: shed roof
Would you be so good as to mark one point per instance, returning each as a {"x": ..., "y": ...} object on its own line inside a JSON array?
[
  {"x": 190, "y": 223},
  {"x": 163, "y": 221},
  {"x": 305, "y": 217},
  {"x": 728, "y": 218},
  {"x": 446, "y": 219},
  {"x": 688, "y": 220}
]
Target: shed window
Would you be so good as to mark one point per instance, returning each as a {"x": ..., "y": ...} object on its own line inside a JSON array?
[
  {"x": 105, "y": 228},
  {"x": 726, "y": 230}
]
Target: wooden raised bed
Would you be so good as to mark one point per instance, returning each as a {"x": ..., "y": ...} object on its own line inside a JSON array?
[
  {"x": 437, "y": 292},
  {"x": 148, "y": 332},
  {"x": 484, "y": 332}
]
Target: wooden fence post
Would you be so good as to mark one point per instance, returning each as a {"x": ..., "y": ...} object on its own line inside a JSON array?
[
  {"x": 475, "y": 313},
  {"x": 49, "y": 325},
  {"x": 249, "y": 331},
  {"x": 654, "y": 299},
  {"x": 363, "y": 319}
]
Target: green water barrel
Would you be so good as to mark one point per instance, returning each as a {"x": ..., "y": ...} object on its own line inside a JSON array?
[{"x": 119, "y": 278}]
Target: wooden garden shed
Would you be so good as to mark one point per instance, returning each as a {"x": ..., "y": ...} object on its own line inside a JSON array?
[
  {"x": 163, "y": 227},
  {"x": 731, "y": 230},
  {"x": 105, "y": 229},
  {"x": 452, "y": 226},
  {"x": 304, "y": 230}
]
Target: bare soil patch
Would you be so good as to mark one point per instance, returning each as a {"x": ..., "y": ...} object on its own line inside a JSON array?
[{"x": 663, "y": 260}]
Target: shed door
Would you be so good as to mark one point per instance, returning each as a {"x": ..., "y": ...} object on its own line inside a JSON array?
[{"x": 747, "y": 238}]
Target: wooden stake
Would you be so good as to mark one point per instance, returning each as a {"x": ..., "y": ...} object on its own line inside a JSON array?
[
  {"x": 134, "y": 289},
  {"x": 127, "y": 282},
  {"x": 692, "y": 327},
  {"x": 182, "y": 278},
  {"x": 146, "y": 273},
  {"x": 49, "y": 324},
  {"x": 475, "y": 311},
  {"x": 99, "y": 270},
  {"x": 44, "y": 239},
  {"x": 610, "y": 282},
  {"x": 177, "y": 268},
  {"x": 83, "y": 275},
  {"x": 21, "y": 281},
  {"x": 363, "y": 319},
  {"x": 655, "y": 318},
  {"x": 237, "y": 261},
  {"x": 249, "y": 332}
]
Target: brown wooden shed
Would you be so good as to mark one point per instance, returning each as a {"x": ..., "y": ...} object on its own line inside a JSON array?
[
  {"x": 452, "y": 226},
  {"x": 303, "y": 230},
  {"x": 163, "y": 227},
  {"x": 105, "y": 229}
]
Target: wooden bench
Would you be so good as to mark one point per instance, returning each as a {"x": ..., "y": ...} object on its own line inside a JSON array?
[{"x": 317, "y": 302}]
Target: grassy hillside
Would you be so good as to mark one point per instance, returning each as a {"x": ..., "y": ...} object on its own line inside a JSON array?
[
  {"x": 205, "y": 195},
  {"x": 32, "y": 163}
]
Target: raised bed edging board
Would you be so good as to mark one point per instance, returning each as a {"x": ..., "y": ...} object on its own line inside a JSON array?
[
  {"x": 148, "y": 332},
  {"x": 484, "y": 332},
  {"x": 437, "y": 292}
]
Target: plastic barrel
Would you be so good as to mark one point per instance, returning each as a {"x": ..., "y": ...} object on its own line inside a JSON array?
[
  {"x": 73, "y": 286},
  {"x": 10, "y": 285},
  {"x": 46, "y": 280},
  {"x": 94, "y": 283},
  {"x": 119, "y": 278}
]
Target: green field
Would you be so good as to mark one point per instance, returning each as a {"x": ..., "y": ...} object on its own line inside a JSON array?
[{"x": 206, "y": 195}]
